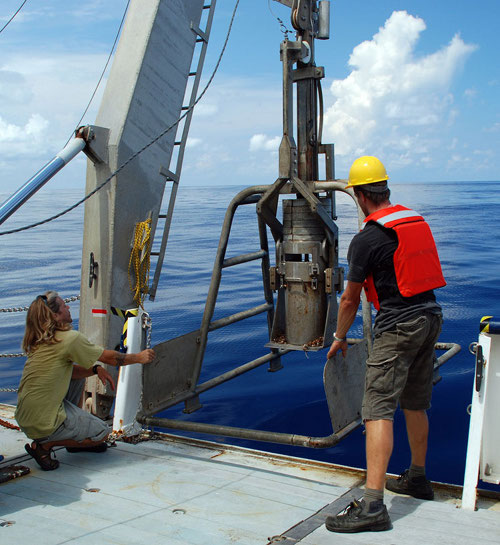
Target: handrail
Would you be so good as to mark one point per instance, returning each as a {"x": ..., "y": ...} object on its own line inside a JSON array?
[{"x": 36, "y": 182}]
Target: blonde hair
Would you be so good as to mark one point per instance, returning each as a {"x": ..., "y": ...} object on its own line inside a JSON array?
[{"x": 41, "y": 322}]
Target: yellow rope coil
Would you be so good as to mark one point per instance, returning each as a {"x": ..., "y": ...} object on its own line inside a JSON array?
[{"x": 140, "y": 261}]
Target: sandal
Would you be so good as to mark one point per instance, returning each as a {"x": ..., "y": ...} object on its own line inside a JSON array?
[{"x": 42, "y": 456}]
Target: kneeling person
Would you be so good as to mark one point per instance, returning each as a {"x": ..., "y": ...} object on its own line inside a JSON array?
[{"x": 59, "y": 358}]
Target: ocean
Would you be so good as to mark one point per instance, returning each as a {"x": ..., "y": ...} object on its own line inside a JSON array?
[{"x": 291, "y": 400}]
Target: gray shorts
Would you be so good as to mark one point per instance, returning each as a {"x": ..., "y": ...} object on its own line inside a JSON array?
[
  {"x": 400, "y": 368},
  {"x": 79, "y": 425}
]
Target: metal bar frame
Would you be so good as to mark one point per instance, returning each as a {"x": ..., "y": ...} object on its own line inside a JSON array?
[
  {"x": 254, "y": 435},
  {"x": 242, "y": 198},
  {"x": 267, "y": 436}
]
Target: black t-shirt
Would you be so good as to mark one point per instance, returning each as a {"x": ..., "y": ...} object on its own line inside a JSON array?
[{"x": 372, "y": 251}]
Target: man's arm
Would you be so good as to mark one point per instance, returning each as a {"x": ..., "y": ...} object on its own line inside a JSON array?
[
  {"x": 112, "y": 357},
  {"x": 349, "y": 303},
  {"x": 80, "y": 372}
]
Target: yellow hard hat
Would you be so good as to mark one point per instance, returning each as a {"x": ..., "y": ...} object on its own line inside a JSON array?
[{"x": 367, "y": 170}]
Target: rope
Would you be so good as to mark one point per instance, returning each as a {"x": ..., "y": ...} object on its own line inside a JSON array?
[
  {"x": 11, "y": 390},
  {"x": 140, "y": 261},
  {"x": 137, "y": 153},
  {"x": 6, "y": 424},
  {"x": 12, "y": 18}
]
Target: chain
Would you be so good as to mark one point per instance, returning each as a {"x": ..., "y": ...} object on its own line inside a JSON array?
[
  {"x": 283, "y": 27},
  {"x": 11, "y": 390},
  {"x": 147, "y": 325},
  {"x": 25, "y": 309}
]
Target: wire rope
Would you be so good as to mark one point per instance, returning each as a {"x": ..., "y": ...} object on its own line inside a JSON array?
[
  {"x": 103, "y": 70},
  {"x": 284, "y": 29},
  {"x": 13, "y": 17},
  {"x": 141, "y": 150}
]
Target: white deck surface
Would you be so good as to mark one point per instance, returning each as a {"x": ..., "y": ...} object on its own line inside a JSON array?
[{"x": 172, "y": 492}]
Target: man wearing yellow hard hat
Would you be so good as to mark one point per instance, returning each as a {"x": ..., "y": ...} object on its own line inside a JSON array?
[{"x": 394, "y": 258}]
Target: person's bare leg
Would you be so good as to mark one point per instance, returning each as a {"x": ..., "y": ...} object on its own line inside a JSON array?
[
  {"x": 417, "y": 428},
  {"x": 71, "y": 443},
  {"x": 379, "y": 443}
]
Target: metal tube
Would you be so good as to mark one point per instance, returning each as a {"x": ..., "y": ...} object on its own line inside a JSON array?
[
  {"x": 340, "y": 185},
  {"x": 238, "y": 371},
  {"x": 41, "y": 178},
  {"x": 254, "y": 435},
  {"x": 451, "y": 350},
  {"x": 213, "y": 290},
  {"x": 244, "y": 258},
  {"x": 222, "y": 322},
  {"x": 324, "y": 20}
]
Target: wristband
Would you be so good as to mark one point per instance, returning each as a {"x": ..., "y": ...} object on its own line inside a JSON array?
[
  {"x": 338, "y": 339},
  {"x": 95, "y": 368}
]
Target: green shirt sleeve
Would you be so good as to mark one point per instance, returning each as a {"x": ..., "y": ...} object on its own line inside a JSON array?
[{"x": 83, "y": 352}]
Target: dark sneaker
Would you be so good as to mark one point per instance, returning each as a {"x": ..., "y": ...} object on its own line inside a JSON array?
[
  {"x": 418, "y": 487},
  {"x": 357, "y": 518}
]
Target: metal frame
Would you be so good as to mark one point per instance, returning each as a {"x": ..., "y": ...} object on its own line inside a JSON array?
[{"x": 275, "y": 437}]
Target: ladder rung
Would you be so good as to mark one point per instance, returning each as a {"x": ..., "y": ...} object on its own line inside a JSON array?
[{"x": 168, "y": 175}]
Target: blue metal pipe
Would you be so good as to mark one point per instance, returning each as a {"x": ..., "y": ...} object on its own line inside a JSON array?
[{"x": 41, "y": 178}]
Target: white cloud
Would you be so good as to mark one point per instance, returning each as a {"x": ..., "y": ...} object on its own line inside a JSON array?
[
  {"x": 494, "y": 128},
  {"x": 41, "y": 100},
  {"x": 205, "y": 110},
  {"x": 470, "y": 93},
  {"x": 193, "y": 142},
  {"x": 261, "y": 142},
  {"x": 392, "y": 103},
  {"x": 23, "y": 140}
]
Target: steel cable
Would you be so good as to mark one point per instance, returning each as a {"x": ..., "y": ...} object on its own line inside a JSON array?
[
  {"x": 12, "y": 18},
  {"x": 141, "y": 150}
]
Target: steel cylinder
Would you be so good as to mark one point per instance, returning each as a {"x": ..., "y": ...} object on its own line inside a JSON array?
[
  {"x": 324, "y": 20},
  {"x": 302, "y": 262}
]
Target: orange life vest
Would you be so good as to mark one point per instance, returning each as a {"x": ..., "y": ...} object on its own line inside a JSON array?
[{"x": 416, "y": 261}]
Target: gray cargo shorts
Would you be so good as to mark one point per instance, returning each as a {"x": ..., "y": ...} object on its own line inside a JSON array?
[
  {"x": 79, "y": 425},
  {"x": 400, "y": 368}
]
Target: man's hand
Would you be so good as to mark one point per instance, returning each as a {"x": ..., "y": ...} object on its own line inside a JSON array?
[
  {"x": 104, "y": 377},
  {"x": 146, "y": 356},
  {"x": 336, "y": 346}
]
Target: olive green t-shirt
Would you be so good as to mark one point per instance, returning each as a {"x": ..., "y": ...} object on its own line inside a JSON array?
[{"x": 45, "y": 381}]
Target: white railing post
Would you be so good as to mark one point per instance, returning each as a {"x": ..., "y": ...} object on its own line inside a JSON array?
[{"x": 129, "y": 384}]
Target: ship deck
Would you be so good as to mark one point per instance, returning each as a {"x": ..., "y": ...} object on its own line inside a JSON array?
[{"x": 177, "y": 491}]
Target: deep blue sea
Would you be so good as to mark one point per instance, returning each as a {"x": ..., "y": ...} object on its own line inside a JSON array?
[{"x": 462, "y": 216}]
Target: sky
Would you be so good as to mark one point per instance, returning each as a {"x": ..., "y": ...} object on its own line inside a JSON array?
[{"x": 415, "y": 83}]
